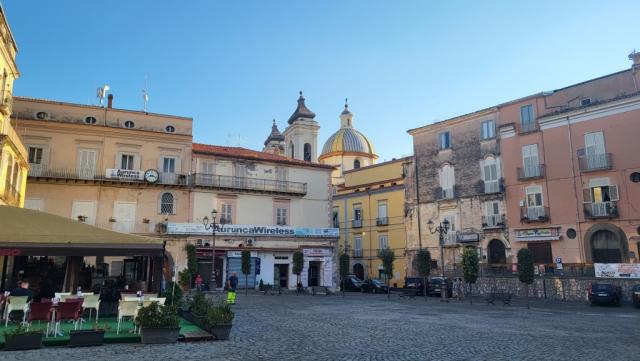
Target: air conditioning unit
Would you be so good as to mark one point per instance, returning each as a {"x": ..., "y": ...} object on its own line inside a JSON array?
[
  {"x": 250, "y": 241},
  {"x": 521, "y": 203}
]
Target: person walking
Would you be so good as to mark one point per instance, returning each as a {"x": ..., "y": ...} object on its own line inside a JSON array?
[
  {"x": 460, "y": 289},
  {"x": 233, "y": 284},
  {"x": 454, "y": 288}
]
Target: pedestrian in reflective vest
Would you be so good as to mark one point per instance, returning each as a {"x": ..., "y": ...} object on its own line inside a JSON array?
[{"x": 233, "y": 284}]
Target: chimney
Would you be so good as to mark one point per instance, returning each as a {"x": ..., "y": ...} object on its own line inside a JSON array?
[
  {"x": 110, "y": 101},
  {"x": 635, "y": 57}
]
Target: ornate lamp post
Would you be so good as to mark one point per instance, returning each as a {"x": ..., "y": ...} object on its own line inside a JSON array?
[
  {"x": 441, "y": 229},
  {"x": 212, "y": 226}
]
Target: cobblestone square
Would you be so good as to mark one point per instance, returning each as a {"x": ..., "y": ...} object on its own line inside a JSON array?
[{"x": 371, "y": 327}]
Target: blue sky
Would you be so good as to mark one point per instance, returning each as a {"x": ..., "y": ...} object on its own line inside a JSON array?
[{"x": 235, "y": 65}]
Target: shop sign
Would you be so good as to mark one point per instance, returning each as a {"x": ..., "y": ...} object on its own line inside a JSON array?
[
  {"x": 617, "y": 270},
  {"x": 9, "y": 252},
  {"x": 468, "y": 237},
  {"x": 316, "y": 252},
  {"x": 537, "y": 234},
  {"x": 251, "y": 230},
  {"x": 124, "y": 174},
  {"x": 238, "y": 254}
]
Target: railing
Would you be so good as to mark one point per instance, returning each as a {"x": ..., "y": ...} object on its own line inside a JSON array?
[
  {"x": 569, "y": 270},
  {"x": 531, "y": 172},
  {"x": 246, "y": 183},
  {"x": 534, "y": 214},
  {"x": 357, "y": 253},
  {"x": 601, "y": 210},
  {"x": 595, "y": 162},
  {"x": 11, "y": 195},
  {"x": 491, "y": 186},
  {"x": 382, "y": 221},
  {"x": 446, "y": 193},
  {"x": 172, "y": 178},
  {"x": 528, "y": 127},
  {"x": 15, "y": 139},
  {"x": 493, "y": 221},
  {"x": 356, "y": 223},
  {"x": 450, "y": 239}
]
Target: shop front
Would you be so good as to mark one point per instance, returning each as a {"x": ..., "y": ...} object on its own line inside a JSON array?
[{"x": 318, "y": 267}]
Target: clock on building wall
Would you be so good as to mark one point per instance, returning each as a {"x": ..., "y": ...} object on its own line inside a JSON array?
[{"x": 151, "y": 176}]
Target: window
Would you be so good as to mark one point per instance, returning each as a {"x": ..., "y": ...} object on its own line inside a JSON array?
[
  {"x": 129, "y": 124},
  {"x": 307, "y": 152},
  {"x": 526, "y": 114},
  {"x": 127, "y": 161},
  {"x": 168, "y": 165},
  {"x": 281, "y": 216},
  {"x": 356, "y": 164},
  {"x": 535, "y": 209},
  {"x": 357, "y": 212},
  {"x": 209, "y": 167},
  {"x": 493, "y": 214},
  {"x": 447, "y": 181},
  {"x": 488, "y": 129},
  {"x": 170, "y": 129},
  {"x": 226, "y": 214},
  {"x": 42, "y": 115},
  {"x": 293, "y": 153},
  {"x": 445, "y": 140},
  {"x": 382, "y": 213},
  {"x": 35, "y": 155},
  {"x": 530, "y": 161},
  {"x": 600, "y": 198},
  {"x": 595, "y": 151},
  {"x": 383, "y": 241},
  {"x": 490, "y": 175},
  {"x": 451, "y": 236},
  {"x": 90, "y": 120},
  {"x": 241, "y": 175},
  {"x": 335, "y": 217},
  {"x": 357, "y": 246},
  {"x": 167, "y": 203}
]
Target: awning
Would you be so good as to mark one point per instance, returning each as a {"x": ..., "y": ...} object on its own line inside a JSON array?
[{"x": 28, "y": 232}]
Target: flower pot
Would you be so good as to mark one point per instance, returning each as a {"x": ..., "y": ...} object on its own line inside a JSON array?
[
  {"x": 221, "y": 331},
  {"x": 23, "y": 342},
  {"x": 81, "y": 338},
  {"x": 159, "y": 335}
]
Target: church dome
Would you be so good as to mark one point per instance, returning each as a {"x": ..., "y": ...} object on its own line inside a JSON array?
[{"x": 347, "y": 139}]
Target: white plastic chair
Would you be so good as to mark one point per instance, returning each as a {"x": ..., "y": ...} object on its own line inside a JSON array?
[
  {"x": 137, "y": 299},
  {"x": 127, "y": 309},
  {"x": 16, "y": 303},
  {"x": 92, "y": 302},
  {"x": 59, "y": 295},
  {"x": 160, "y": 300}
]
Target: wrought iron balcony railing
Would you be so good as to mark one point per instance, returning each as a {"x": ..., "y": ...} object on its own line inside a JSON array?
[
  {"x": 382, "y": 221},
  {"x": 356, "y": 223},
  {"x": 601, "y": 210},
  {"x": 247, "y": 183},
  {"x": 493, "y": 221},
  {"x": 595, "y": 162},
  {"x": 534, "y": 214},
  {"x": 535, "y": 171}
]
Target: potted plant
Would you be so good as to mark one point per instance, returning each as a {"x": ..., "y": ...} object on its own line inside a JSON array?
[
  {"x": 197, "y": 308},
  {"x": 158, "y": 324},
  {"x": 219, "y": 319},
  {"x": 92, "y": 337},
  {"x": 22, "y": 339}
]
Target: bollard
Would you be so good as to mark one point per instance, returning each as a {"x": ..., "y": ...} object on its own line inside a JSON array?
[{"x": 443, "y": 292}]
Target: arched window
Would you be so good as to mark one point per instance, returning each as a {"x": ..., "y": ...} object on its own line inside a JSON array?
[
  {"x": 307, "y": 152},
  {"x": 356, "y": 164},
  {"x": 293, "y": 154},
  {"x": 167, "y": 204}
]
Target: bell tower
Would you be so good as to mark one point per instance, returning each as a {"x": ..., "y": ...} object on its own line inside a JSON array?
[{"x": 301, "y": 136}]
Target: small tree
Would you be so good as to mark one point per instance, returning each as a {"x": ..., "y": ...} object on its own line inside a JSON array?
[
  {"x": 344, "y": 269},
  {"x": 184, "y": 279},
  {"x": 192, "y": 262},
  {"x": 387, "y": 256},
  {"x": 298, "y": 265},
  {"x": 470, "y": 268},
  {"x": 525, "y": 269},
  {"x": 424, "y": 268},
  {"x": 246, "y": 268}
]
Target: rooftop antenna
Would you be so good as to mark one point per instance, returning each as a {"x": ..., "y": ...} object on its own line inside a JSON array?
[
  {"x": 102, "y": 93},
  {"x": 145, "y": 95}
]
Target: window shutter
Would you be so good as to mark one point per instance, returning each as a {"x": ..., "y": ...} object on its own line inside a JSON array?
[
  {"x": 586, "y": 195},
  {"x": 613, "y": 193},
  {"x": 178, "y": 166}
]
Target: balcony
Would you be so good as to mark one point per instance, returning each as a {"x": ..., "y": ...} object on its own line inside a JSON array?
[
  {"x": 382, "y": 221},
  {"x": 248, "y": 184},
  {"x": 447, "y": 193},
  {"x": 356, "y": 223},
  {"x": 494, "y": 221},
  {"x": 6, "y": 102},
  {"x": 11, "y": 195},
  {"x": 172, "y": 178},
  {"x": 536, "y": 171},
  {"x": 601, "y": 210},
  {"x": 534, "y": 214},
  {"x": 10, "y": 133},
  {"x": 490, "y": 187},
  {"x": 524, "y": 128},
  {"x": 595, "y": 162},
  {"x": 450, "y": 239},
  {"x": 357, "y": 253}
]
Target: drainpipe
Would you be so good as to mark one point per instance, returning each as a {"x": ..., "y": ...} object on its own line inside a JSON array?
[
  {"x": 575, "y": 193},
  {"x": 415, "y": 171}
]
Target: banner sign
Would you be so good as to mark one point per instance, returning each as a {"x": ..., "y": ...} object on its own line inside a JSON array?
[
  {"x": 251, "y": 230},
  {"x": 316, "y": 252},
  {"x": 537, "y": 234},
  {"x": 124, "y": 174},
  {"x": 617, "y": 270}
]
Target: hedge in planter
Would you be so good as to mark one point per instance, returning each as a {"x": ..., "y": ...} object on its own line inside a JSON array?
[
  {"x": 93, "y": 337},
  {"x": 219, "y": 319},
  {"x": 22, "y": 339},
  {"x": 158, "y": 324}
]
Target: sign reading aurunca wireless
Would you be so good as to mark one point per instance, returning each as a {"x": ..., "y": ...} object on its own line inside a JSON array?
[{"x": 251, "y": 230}]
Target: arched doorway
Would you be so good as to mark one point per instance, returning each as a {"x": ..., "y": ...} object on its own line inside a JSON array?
[
  {"x": 358, "y": 270},
  {"x": 497, "y": 252},
  {"x": 605, "y": 247}
]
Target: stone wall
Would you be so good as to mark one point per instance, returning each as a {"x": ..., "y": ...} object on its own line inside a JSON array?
[{"x": 551, "y": 288}]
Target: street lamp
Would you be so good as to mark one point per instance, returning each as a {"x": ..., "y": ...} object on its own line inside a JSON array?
[
  {"x": 441, "y": 229},
  {"x": 212, "y": 226}
]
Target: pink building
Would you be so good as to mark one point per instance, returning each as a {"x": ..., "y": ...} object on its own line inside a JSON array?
[{"x": 571, "y": 166}]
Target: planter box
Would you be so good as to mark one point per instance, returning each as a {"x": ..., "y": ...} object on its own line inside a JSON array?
[
  {"x": 86, "y": 338},
  {"x": 159, "y": 335},
  {"x": 221, "y": 331},
  {"x": 23, "y": 342}
]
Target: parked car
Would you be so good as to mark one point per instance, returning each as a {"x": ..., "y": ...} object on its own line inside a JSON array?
[
  {"x": 415, "y": 283},
  {"x": 375, "y": 286},
  {"x": 605, "y": 293},
  {"x": 353, "y": 283},
  {"x": 635, "y": 295},
  {"x": 434, "y": 288}
]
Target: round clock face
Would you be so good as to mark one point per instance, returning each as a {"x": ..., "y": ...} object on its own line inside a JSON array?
[{"x": 151, "y": 176}]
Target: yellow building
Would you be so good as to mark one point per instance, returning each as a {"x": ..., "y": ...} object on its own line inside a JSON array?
[
  {"x": 369, "y": 210},
  {"x": 13, "y": 155}
]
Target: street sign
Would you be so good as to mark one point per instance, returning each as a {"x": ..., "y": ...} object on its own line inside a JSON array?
[{"x": 559, "y": 263}]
